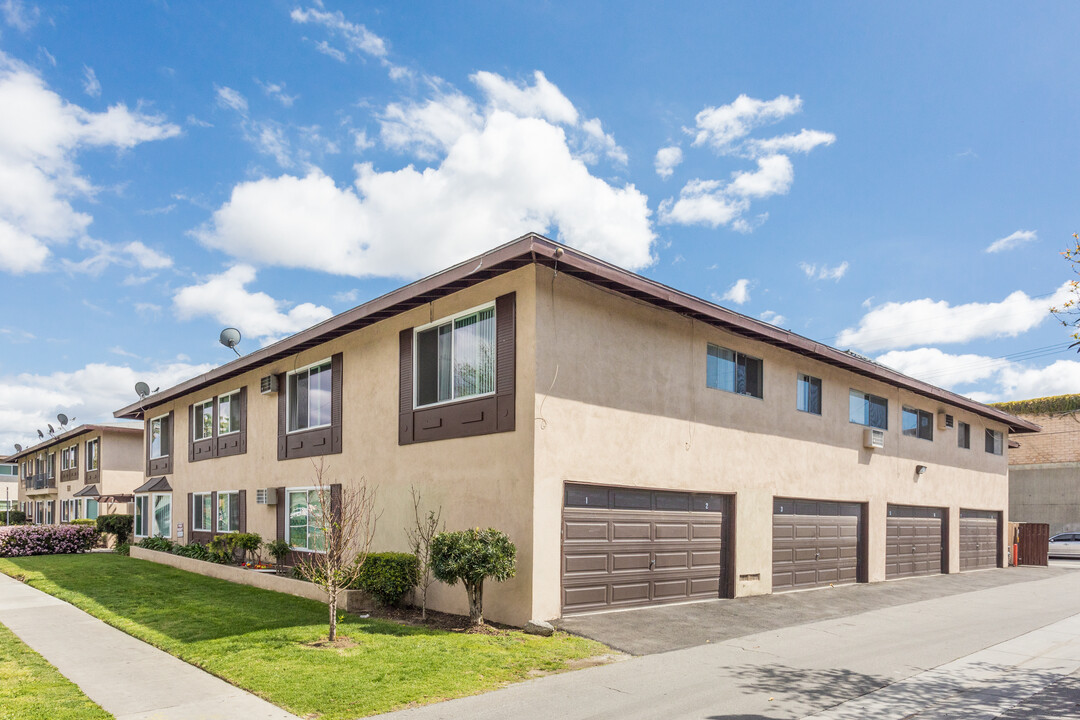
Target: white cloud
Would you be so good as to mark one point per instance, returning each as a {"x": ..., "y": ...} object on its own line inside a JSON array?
[
  {"x": 1021, "y": 383},
  {"x": 702, "y": 202},
  {"x": 356, "y": 37},
  {"x": 231, "y": 99},
  {"x": 347, "y": 296},
  {"x": 824, "y": 272},
  {"x": 147, "y": 258},
  {"x": 597, "y": 141},
  {"x": 30, "y": 401},
  {"x": 773, "y": 318},
  {"x": 941, "y": 368},
  {"x": 739, "y": 293},
  {"x": 1018, "y": 238},
  {"x": 361, "y": 142},
  {"x": 803, "y": 142},
  {"x": 225, "y": 298},
  {"x": 429, "y": 129},
  {"x": 773, "y": 177},
  {"x": 269, "y": 139},
  {"x": 91, "y": 84},
  {"x": 40, "y": 137},
  {"x": 19, "y": 15},
  {"x": 667, "y": 159},
  {"x": 277, "y": 92},
  {"x": 926, "y": 321},
  {"x": 721, "y": 127},
  {"x": 541, "y": 100},
  {"x": 330, "y": 51}
]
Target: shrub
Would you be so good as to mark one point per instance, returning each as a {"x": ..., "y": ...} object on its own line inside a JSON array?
[
  {"x": 156, "y": 543},
  {"x": 220, "y": 552},
  {"x": 46, "y": 540},
  {"x": 278, "y": 549},
  {"x": 12, "y": 517},
  {"x": 247, "y": 543},
  {"x": 388, "y": 576},
  {"x": 472, "y": 556},
  {"x": 123, "y": 549},
  {"x": 192, "y": 550},
  {"x": 84, "y": 521},
  {"x": 122, "y": 526}
]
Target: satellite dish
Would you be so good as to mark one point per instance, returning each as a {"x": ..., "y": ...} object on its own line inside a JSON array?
[
  {"x": 18, "y": 447},
  {"x": 51, "y": 430},
  {"x": 41, "y": 435},
  {"x": 142, "y": 389},
  {"x": 62, "y": 419},
  {"x": 230, "y": 338}
]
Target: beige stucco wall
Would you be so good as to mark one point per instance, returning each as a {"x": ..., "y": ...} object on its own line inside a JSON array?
[
  {"x": 621, "y": 400},
  {"x": 483, "y": 480}
]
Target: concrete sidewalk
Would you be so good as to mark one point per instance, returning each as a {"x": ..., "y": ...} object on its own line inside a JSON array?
[{"x": 125, "y": 676}]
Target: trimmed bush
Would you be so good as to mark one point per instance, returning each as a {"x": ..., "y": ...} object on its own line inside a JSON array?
[
  {"x": 16, "y": 517},
  {"x": 246, "y": 543},
  {"x": 387, "y": 576},
  {"x": 122, "y": 526},
  {"x": 26, "y": 540},
  {"x": 123, "y": 549},
  {"x": 193, "y": 550},
  {"x": 156, "y": 543},
  {"x": 84, "y": 521},
  {"x": 472, "y": 556}
]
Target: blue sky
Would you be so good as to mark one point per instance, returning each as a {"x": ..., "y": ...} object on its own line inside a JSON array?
[{"x": 838, "y": 169}]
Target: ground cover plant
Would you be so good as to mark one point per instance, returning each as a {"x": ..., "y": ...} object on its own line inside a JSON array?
[
  {"x": 266, "y": 642},
  {"x": 32, "y": 689}
]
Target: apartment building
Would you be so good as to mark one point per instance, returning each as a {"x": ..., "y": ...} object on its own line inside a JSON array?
[
  {"x": 80, "y": 473},
  {"x": 9, "y": 486},
  {"x": 638, "y": 444}
]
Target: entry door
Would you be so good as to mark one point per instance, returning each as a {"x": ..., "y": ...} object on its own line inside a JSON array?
[
  {"x": 979, "y": 539},
  {"x": 816, "y": 543},
  {"x": 625, "y": 547},
  {"x": 915, "y": 541}
]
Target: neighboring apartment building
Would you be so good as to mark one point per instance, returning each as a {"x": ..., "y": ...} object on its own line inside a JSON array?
[
  {"x": 9, "y": 485},
  {"x": 638, "y": 444},
  {"x": 80, "y": 473},
  {"x": 1044, "y": 471}
]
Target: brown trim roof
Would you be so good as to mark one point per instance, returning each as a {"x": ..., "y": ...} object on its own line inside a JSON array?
[
  {"x": 159, "y": 484},
  {"x": 79, "y": 430},
  {"x": 533, "y": 248},
  {"x": 88, "y": 491}
]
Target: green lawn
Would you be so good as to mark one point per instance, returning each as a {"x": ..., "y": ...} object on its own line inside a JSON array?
[
  {"x": 256, "y": 639},
  {"x": 32, "y": 689}
]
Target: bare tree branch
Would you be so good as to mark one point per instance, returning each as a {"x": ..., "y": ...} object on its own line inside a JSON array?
[{"x": 424, "y": 529}]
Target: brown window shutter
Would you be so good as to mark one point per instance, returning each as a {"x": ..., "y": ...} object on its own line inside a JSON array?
[
  {"x": 214, "y": 430},
  {"x": 505, "y": 359},
  {"x": 335, "y": 403},
  {"x": 282, "y": 513},
  {"x": 191, "y": 516},
  {"x": 213, "y": 514},
  {"x": 146, "y": 435},
  {"x": 405, "y": 387},
  {"x": 76, "y": 460},
  {"x": 282, "y": 426},
  {"x": 191, "y": 433},
  {"x": 243, "y": 419},
  {"x": 335, "y": 502},
  {"x": 172, "y": 445},
  {"x": 241, "y": 497}
]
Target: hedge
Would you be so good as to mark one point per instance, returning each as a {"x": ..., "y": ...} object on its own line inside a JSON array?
[
  {"x": 47, "y": 540},
  {"x": 387, "y": 576},
  {"x": 122, "y": 526},
  {"x": 16, "y": 517}
]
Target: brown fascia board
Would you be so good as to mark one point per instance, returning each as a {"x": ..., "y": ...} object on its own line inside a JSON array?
[
  {"x": 80, "y": 430},
  {"x": 534, "y": 248}
]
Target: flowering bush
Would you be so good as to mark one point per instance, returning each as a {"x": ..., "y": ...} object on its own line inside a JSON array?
[{"x": 46, "y": 540}]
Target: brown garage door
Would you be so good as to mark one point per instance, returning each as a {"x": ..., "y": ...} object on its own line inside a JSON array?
[
  {"x": 979, "y": 539},
  {"x": 815, "y": 543},
  {"x": 914, "y": 541},
  {"x": 624, "y": 547}
]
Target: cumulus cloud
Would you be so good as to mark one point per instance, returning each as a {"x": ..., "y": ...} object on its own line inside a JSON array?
[
  {"x": 429, "y": 129},
  {"x": 20, "y": 15},
  {"x": 803, "y": 142},
  {"x": 721, "y": 127},
  {"x": 147, "y": 258},
  {"x": 927, "y": 321},
  {"x": 542, "y": 99},
  {"x": 667, "y": 159},
  {"x": 91, "y": 84},
  {"x": 1018, "y": 238},
  {"x": 773, "y": 318},
  {"x": 941, "y": 368},
  {"x": 823, "y": 272},
  {"x": 355, "y": 36},
  {"x": 330, "y": 51},
  {"x": 40, "y": 136},
  {"x": 277, "y": 92},
  {"x": 739, "y": 293},
  {"x": 231, "y": 99},
  {"x": 225, "y": 298}
]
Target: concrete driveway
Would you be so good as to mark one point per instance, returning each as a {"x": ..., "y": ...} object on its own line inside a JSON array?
[{"x": 675, "y": 627}]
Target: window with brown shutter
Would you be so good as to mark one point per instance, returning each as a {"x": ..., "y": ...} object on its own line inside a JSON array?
[
  {"x": 218, "y": 427},
  {"x": 310, "y": 410},
  {"x": 159, "y": 445}
]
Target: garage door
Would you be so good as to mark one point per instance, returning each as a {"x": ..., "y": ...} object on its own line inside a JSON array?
[
  {"x": 624, "y": 547},
  {"x": 978, "y": 539},
  {"x": 815, "y": 543},
  {"x": 914, "y": 541}
]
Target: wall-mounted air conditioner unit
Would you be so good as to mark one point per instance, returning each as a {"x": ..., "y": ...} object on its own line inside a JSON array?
[
  {"x": 944, "y": 420},
  {"x": 266, "y": 496},
  {"x": 268, "y": 385},
  {"x": 873, "y": 438}
]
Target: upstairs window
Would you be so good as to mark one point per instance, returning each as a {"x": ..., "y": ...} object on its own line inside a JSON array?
[
  {"x": 733, "y": 372},
  {"x": 203, "y": 420},
  {"x": 867, "y": 409},
  {"x": 50, "y": 465},
  {"x": 92, "y": 454},
  {"x": 229, "y": 413},
  {"x": 994, "y": 442},
  {"x": 309, "y": 397},
  {"x": 917, "y": 423},
  {"x": 963, "y": 435},
  {"x": 159, "y": 437},
  {"x": 455, "y": 358},
  {"x": 808, "y": 394}
]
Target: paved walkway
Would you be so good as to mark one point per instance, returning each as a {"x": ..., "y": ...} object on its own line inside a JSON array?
[{"x": 127, "y": 677}]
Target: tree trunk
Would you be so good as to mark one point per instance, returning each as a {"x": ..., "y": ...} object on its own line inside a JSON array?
[
  {"x": 476, "y": 602},
  {"x": 423, "y": 604},
  {"x": 332, "y": 604}
]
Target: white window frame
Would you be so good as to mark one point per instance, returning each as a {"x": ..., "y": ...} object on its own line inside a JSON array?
[
  {"x": 96, "y": 442},
  {"x": 288, "y": 523},
  {"x": 234, "y": 496},
  {"x": 236, "y": 392},
  {"x": 152, "y": 421},
  {"x": 288, "y": 396},
  {"x": 196, "y": 500},
  {"x": 65, "y": 512},
  {"x": 50, "y": 467},
  {"x": 194, "y": 417},
  {"x": 153, "y": 514},
  {"x": 449, "y": 319},
  {"x": 145, "y": 514}
]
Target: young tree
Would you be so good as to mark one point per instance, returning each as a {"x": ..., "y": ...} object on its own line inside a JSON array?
[
  {"x": 1069, "y": 311},
  {"x": 344, "y": 523},
  {"x": 472, "y": 556},
  {"x": 421, "y": 534}
]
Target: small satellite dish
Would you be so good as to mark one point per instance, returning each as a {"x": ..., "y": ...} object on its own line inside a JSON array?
[
  {"x": 18, "y": 447},
  {"x": 230, "y": 338},
  {"x": 62, "y": 419},
  {"x": 142, "y": 389},
  {"x": 41, "y": 435},
  {"x": 51, "y": 430}
]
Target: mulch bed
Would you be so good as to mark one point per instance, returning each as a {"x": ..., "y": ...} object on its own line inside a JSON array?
[{"x": 437, "y": 620}]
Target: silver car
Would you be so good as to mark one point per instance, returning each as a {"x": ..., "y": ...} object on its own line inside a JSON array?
[{"x": 1065, "y": 545}]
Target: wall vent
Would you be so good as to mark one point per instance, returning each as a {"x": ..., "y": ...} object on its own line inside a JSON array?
[
  {"x": 268, "y": 385},
  {"x": 266, "y": 496}
]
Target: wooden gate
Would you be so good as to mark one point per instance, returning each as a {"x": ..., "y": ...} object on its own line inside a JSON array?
[{"x": 1033, "y": 544}]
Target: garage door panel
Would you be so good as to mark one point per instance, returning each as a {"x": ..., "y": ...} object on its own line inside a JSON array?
[
  {"x": 672, "y": 560},
  {"x": 701, "y": 559},
  {"x": 916, "y": 541},
  {"x": 586, "y": 563},
  {"x": 670, "y": 589},
  {"x": 706, "y": 531},
  {"x": 624, "y": 562},
  {"x": 979, "y": 539},
  {"x": 672, "y": 531},
  {"x": 629, "y": 592},
  {"x": 815, "y": 543},
  {"x": 624, "y": 530},
  {"x": 586, "y": 596},
  {"x": 707, "y": 586},
  {"x": 580, "y": 530}
]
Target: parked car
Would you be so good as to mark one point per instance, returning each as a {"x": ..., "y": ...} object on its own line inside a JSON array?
[{"x": 1065, "y": 545}]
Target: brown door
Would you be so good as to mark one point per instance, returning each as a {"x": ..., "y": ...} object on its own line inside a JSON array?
[
  {"x": 625, "y": 547},
  {"x": 980, "y": 534},
  {"x": 815, "y": 543},
  {"x": 915, "y": 541}
]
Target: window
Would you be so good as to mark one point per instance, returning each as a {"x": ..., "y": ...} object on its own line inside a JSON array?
[
  {"x": 455, "y": 359},
  {"x": 866, "y": 409},
  {"x": 91, "y": 509},
  {"x": 159, "y": 437},
  {"x": 309, "y": 397},
  {"x": 228, "y": 512},
  {"x": 9, "y": 470},
  {"x": 67, "y": 459},
  {"x": 76, "y": 508},
  {"x": 142, "y": 515},
  {"x": 92, "y": 454},
  {"x": 65, "y": 511},
  {"x": 732, "y": 371},
  {"x": 305, "y": 525},
  {"x": 229, "y": 413},
  {"x": 162, "y": 515},
  {"x": 203, "y": 423},
  {"x": 809, "y": 394},
  {"x": 50, "y": 512},
  {"x": 993, "y": 441},
  {"x": 202, "y": 511},
  {"x": 963, "y": 435},
  {"x": 50, "y": 465},
  {"x": 917, "y": 423}
]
